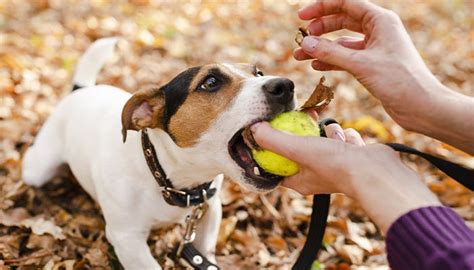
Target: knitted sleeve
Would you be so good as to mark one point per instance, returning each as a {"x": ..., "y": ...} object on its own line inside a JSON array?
[{"x": 430, "y": 238}]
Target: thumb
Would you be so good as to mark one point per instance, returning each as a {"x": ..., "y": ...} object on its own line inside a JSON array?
[
  {"x": 330, "y": 52},
  {"x": 287, "y": 145}
]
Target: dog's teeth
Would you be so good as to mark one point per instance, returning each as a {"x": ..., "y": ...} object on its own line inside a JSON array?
[{"x": 256, "y": 171}]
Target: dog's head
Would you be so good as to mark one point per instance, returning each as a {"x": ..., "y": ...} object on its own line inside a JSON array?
[{"x": 204, "y": 110}]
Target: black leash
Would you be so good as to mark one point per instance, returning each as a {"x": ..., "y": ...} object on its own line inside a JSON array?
[
  {"x": 317, "y": 226},
  {"x": 321, "y": 202}
]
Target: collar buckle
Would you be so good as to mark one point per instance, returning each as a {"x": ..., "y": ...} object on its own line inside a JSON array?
[
  {"x": 173, "y": 196},
  {"x": 177, "y": 191}
]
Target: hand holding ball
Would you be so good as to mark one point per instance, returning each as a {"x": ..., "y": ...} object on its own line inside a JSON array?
[{"x": 294, "y": 122}]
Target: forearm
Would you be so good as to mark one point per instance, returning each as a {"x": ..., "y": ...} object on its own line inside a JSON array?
[{"x": 445, "y": 115}]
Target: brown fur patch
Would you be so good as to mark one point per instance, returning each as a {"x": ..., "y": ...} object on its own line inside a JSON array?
[{"x": 201, "y": 108}]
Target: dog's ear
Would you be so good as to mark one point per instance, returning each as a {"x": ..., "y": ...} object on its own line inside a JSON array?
[{"x": 143, "y": 110}]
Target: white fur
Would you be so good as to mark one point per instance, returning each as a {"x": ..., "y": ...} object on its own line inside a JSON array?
[
  {"x": 84, "y": 131},
  {"x": 92, "y": 61},
  {"x": 236, "y": 71}
]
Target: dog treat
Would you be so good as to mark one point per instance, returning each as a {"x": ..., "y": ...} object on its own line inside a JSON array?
[
  {"x": 300, "y": 35},
  {"x": 320, "y": 98}
]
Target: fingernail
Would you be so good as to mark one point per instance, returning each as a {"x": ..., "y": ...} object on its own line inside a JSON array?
[
  {"x": 309, "y": 44},
  {"x": 340, "y": 135},
  {"x": 254, "y": 127}
]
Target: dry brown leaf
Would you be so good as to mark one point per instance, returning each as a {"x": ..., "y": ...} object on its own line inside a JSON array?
[
  {"x": 13, "y": 217},
  {"x": 97, "y": 257},
  {"x": 40, "y": 242},
  {"x": 41, "y": 226},
  {"x": 355, "y": 234},
  {"x": 263, "y": 257},
  {"x": 320, "y": 98},
  {"x": 351, "y": 253},
  {"x": 276, "y": 243},
  {"x": 226, "y": 228},
  {"x": 9, "y": 246}
]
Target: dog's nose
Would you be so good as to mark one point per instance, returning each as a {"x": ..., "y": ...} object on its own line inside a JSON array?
[{"x": 279, "y": 90}]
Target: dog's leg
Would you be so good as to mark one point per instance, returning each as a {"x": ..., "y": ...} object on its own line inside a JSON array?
[
  {"x": 131, "y": 248},
  {"x": 127, "y": 222},
  {"x": 208, "y": 230},
  {"x": 43, "y": 158}
]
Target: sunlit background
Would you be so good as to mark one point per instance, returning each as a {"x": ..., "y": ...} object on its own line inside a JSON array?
[{"x": 41, "y": 41}]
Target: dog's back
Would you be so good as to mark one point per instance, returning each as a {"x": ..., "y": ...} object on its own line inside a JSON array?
[{"x": 79, "y": 117}]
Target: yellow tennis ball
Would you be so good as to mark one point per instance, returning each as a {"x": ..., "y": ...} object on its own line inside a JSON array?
[{"x": 297, "y": 123}]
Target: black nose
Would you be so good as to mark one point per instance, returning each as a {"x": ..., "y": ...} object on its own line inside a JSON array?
[{"x": 279, "y": 90}]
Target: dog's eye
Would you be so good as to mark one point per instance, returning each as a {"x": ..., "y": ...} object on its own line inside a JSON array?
[
  {"x": 210, "y": 84},
  {"x": 259, "y": 73}
]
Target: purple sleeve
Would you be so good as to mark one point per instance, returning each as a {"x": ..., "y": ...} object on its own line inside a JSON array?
[{"x": 430, "y": 238}]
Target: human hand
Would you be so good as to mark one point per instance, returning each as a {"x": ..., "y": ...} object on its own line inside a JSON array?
[
  {"x": 386, "y": 62},
  {"x": 373, "y": 175}
]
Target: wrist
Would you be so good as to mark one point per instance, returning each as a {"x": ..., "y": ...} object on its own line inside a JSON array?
[
  {"x": 393, "y": 202},
  {"x": 387, "y": 192},
  {"x": 445, "y": 115},
  {"x": 422, "y": 104}
]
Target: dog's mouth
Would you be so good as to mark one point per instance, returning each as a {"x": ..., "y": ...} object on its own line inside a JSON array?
[{"x": 242, "y": 155}]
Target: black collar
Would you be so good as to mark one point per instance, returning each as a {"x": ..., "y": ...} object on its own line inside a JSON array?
[{"x": 176, "y": 197}]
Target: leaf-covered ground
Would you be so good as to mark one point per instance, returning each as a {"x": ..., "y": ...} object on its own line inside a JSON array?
[{"x": 59, "y": 227}]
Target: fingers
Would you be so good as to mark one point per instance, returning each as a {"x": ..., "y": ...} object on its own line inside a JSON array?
[
  {"x": 353, "y": 137},
  {"x": 332, "y": 23},
  {"x": 350, "y": 135},
  {"x": 274, "y": 140},
  {"x": 293, "y": 147},
  {"x": 352, "y": 42},
  {"x": 330, "y": 52},
  {"x": 335, "y": 131},
  {"x": 354, "y": 8},
  {"x": 321, "y": 66},
  {"x": 300, "y": 55},
  {"x": 348, "y": 42}
]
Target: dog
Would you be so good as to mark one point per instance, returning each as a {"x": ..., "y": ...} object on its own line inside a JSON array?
[{"x": 194, "y": 122}]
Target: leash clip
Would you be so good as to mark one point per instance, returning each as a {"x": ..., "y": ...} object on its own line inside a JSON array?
[{"x": 191, "y": 222}]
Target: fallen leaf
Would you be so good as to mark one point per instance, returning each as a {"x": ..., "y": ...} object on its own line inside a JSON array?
[
  {"x": 320, "y": 98},
  {"x": 371, "y": 125},
  {"x": 41, "y": 226},
  {"x": 226, "y": 228},
  {"x": 276, "y": 243},
  {"x": 13, "y": 217},
  {"x": 351, "y": 253},
  {"x": 40, "y": 242}
]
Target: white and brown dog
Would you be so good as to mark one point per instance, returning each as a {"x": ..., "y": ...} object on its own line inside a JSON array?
[{"x": 194, "y": 123}]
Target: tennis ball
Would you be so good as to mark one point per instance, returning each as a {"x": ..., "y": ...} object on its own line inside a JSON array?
[{"x": 294, "y": 122}]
